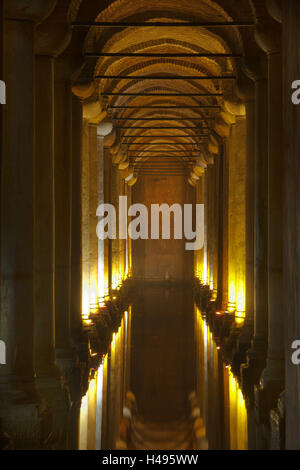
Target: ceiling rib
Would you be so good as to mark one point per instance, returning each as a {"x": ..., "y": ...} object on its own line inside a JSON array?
[
  {"x": 162, "y": 24},
  {"x": 166, "y": 77},
  {"x": 162, "y": 55}
]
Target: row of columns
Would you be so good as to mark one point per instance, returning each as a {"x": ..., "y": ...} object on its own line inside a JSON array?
[
  {"x": 251, "y": 217},
  {"x": 40, "y": 232},
  {"x": 259, "y": 225}
]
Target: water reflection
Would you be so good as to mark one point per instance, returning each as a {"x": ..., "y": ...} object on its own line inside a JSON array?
[
  {"x": 221, "y": 401},
  {"x": 163, "y": 384}
]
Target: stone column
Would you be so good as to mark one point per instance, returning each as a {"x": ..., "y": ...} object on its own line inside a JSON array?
[
  {"x": 219, "y": 203},
  {"x": 76, "y": 248},
  {"x": 237, "y": 218},
  {"x": 250, "y": 167},
  {"x": 85, "y": 194},
  {"x": 291, "y": 223},
  {"x": 48, "y": 383},
  {"x": 63, "y": 181},
  {"x": 17, "y": 224},
  {"x": 93, "y": 203},
  {"x": 273, "y": 375},
  {"x": 274, "y": 371},
  {"x": 256, "y": 354},
  {"x": 17, "y": 198},
  {"x": 103, "y": 130},
  {"x": 44, "y": 219}
]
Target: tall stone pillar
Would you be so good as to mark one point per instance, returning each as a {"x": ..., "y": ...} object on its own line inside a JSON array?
[
  {"x": 237, "y": 219},
  {"x": 274, "y": 371},
  {"x": 44, "y": 219},
  {"x": 93, "y": 203},
  {"x": 63, "y": 215},
  {"x": 76, "y": 237},
  {"x": 271, "y": 383},
  {"x": 103, "y": 130},
  {"x": 256, "y": 354},
  {"x": 17, "y": 224},
  {"x": 250, "y": 168},
  {"x": 273, "y": 375},
  {"x": 85, "y": 219},
  {"x": 291, "y": 223}
]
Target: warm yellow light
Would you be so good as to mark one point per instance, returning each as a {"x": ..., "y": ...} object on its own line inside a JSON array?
[
  {"x": 113, "y": 341},
  {"x": 83, "y": 423},
  {"x": 85, "y": 299},
  {"x": 231, "y": 303},
  {"x": 240, "y": 299},
  {"x": 93, "y": 292},
  {"x": 238, "y": 416}
]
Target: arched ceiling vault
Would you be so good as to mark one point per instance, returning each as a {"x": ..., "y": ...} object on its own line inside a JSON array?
[{"x": 179, "y": 122}]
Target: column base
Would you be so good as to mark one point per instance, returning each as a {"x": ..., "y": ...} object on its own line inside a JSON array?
[
  {"x": 277, "y": 424},
  {"x": 273, "y": 374},
  {"x": 70, "y": 373},
  {"x": 55, "y": 400},
  {"x": 24, "y": 422},
  {"x": 266, "y": 398},
  {"x": 251, "y": 370},
  {"x": 242, "y": 345}
]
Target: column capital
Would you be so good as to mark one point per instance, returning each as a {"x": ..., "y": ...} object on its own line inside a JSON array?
[
  {"x": 27, "y": 10},
  {"x": 93, "y": 112},
  {"x": 274, "y": 8},
  {"x": 52, "y": 37},
  {"x": 268, "y": 36}
]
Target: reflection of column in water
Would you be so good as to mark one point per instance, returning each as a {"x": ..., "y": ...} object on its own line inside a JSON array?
[
  {"x": 87, "y": 418},
  {"x": 104, "y": 404},
  {"x": 92, "y": 404},
  {"x": 238, "y": 416},
  {"x": 111, "y": 395},
  {"x": 205, "y": 362},
  {"x": 99, "y": 407},
  {"x": 83, "y": 423},
  {"x": 201, "y": 364}
]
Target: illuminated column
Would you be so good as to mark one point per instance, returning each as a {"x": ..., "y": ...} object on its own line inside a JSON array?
[
  {"x": 108, "y": 199},
  {"x": 93, "y": 202},
  {"x": 101, "y": 243},
  {"x": 17, "y": 221},
  {"x": 236, "y": 218},
  {"x": 291, "y": 223},
  {"x": 250, "y": 168},
  {"x": 210, "y": 217},
  {"x": 115, "y": 252},
  {"x": 129, "y": 242},
  {"x": 205, "y": 261},
  {"x": 216, "y": 226},
  {"x": 63, "y": 182},
  {"x": 199, "y": 254},
  {"x": 219, "y": 204},
  {"x": 225, "y": 228},
  {"x": 103, "y": 129}
]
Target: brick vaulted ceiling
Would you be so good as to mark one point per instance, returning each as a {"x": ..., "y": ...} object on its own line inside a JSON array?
[{"x": 196, "y": 112}]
